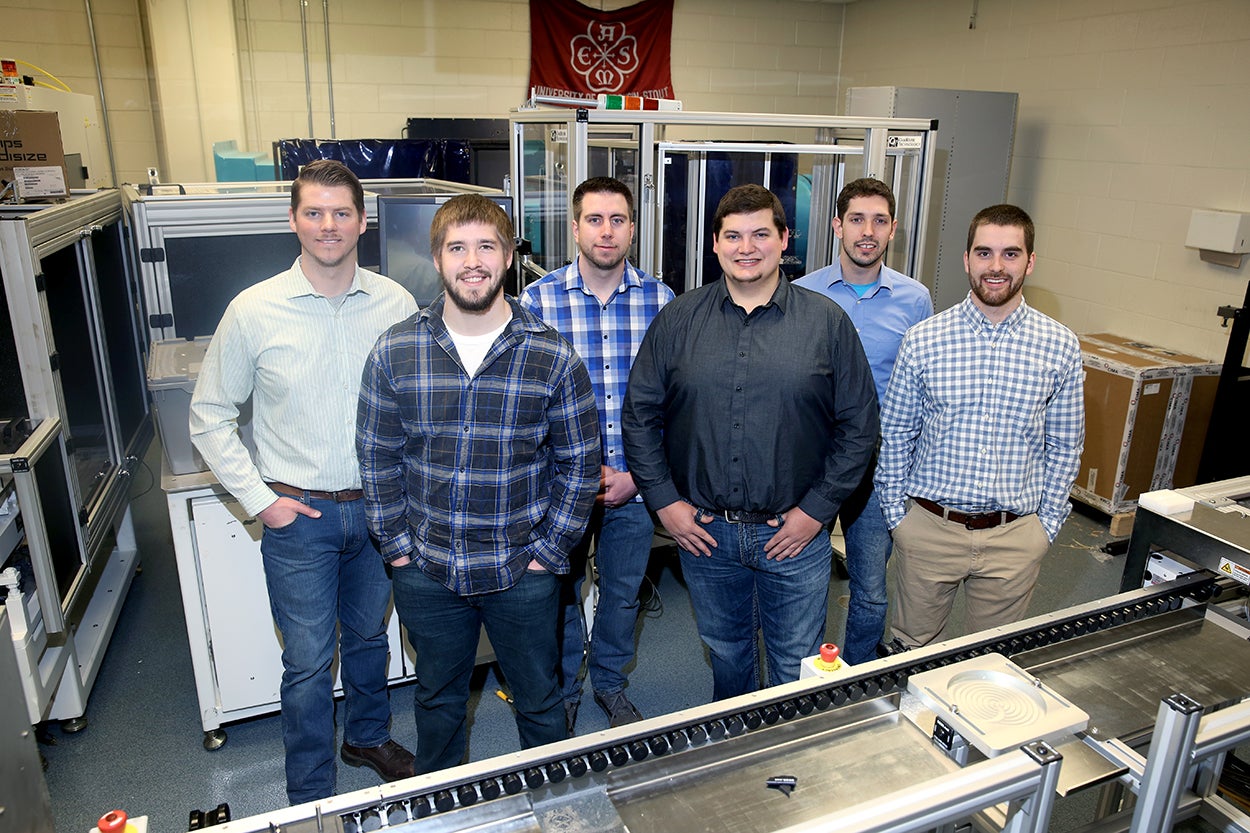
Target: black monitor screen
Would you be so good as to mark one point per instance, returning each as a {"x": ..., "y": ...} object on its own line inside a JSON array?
[
  {"x": 404, "y": 240},
  {"x": 205, "y": 273}
]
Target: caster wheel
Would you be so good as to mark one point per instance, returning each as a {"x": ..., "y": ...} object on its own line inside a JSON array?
[
  {"x": 74, "y": 725},
  {"x": 214, "y": 739}
]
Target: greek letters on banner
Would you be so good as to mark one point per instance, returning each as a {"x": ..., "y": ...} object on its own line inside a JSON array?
[{"x": 579, "y": 52}]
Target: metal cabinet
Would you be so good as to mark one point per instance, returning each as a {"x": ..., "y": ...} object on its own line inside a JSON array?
[
  {"x": 75, "y": 422},
  {"x": 73, "y": 309},
  {"x": 975, "y": 134},
  {"x": 236, "y": 651},
  {"x": 196, "y": 248}
]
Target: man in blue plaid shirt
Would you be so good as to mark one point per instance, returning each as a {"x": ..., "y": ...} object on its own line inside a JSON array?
[
  {"x": 603, "y": 305},
  {"x": 981, "y": 435},
  {"x": 478, "y": 441}
]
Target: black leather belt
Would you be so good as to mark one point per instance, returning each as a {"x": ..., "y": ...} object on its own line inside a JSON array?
[
  {"x": 341, "y": 496},
  {"x": 741, "y": 516},
  {"x": 984, "y": 520}
]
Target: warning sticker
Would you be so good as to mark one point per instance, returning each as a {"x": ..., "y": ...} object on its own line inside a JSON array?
[{"x": 1235, "y": 571}]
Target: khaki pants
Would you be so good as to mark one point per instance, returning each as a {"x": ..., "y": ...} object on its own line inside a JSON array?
[{"x": 998, "y": 568}]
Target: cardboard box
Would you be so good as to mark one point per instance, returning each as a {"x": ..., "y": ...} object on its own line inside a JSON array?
[
  {"x": 31, "y": 153},
  {"x": 1146, "y": 415}
]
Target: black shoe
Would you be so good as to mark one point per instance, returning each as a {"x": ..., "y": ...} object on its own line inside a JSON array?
[
  {"x": 889, "y": 649},
  {"x": 618, "y": 708},
  {"x": 570, "y": 716},
  {"x": 390, "y": 760}
]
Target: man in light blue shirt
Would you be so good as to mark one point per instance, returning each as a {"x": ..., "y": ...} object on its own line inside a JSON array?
[
  {"x": 882, "y": 304},
  {"x": 982, "y": 428},
  {"x": 296, "y": 343}
]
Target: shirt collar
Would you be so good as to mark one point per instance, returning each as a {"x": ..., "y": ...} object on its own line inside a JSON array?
[
  {"x": 573, "y": 278},
  {"x": 780, "y": 298},
  {"x": 978, "y": 319},
  {"x": 522, "y": 319},
  {"x": 296, "y": 284},
  {"x": 884, "y": 279}
]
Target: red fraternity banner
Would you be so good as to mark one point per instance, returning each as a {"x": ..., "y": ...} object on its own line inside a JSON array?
[{"x": 579, "y": 52}]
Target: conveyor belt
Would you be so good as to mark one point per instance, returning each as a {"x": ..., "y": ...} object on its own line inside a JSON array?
[
  {"x": 1119, "y": 676},
  {"x": 845, "y": 741}
]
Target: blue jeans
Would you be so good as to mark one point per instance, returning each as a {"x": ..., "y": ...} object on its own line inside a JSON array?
[
  {"x": 444, "y": 628},
  {"x": 325, "y": 573},
  {"x": 868, "y": 547},
  {"x": 621, "y": 554},
  {"x": 736, "y": 590}
]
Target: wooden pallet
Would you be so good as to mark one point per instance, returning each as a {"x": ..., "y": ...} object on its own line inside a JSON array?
[{"x": 1120, "y": 523}]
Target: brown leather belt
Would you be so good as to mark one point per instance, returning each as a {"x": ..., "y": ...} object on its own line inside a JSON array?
[
  {"x": 341, "y": 496},
  {"x": 984, "y": 520}
]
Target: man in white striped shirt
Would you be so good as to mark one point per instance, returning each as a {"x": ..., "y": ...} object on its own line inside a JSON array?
[
  {"x": 981, "y": 434},
  {"x": 296, "y": 343}
]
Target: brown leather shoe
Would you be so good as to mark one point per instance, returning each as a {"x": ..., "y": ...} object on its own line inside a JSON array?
[{"x": 390, "y": 760}]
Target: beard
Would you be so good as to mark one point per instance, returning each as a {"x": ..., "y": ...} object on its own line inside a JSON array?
[
  {"x": 997, "y": 297},
  {"x": 474, "y": 299}
]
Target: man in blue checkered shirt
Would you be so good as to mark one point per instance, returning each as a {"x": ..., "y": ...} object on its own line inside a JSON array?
[
  {"x": 981, "y": 435},
  {"x": 478, "y": 440},
  {"x": 603, "y": 305}
]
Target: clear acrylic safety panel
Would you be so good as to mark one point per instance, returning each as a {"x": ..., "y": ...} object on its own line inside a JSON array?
[
  {"x": 806, "y": 179},
  {"x": 92, "y": 457},
  {"x": 120, "y": 314},
  {"x": 543, "y": 191}
]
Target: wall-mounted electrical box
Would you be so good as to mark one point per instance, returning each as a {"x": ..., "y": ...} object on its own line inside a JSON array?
[{"x": 1220, "y": 236}]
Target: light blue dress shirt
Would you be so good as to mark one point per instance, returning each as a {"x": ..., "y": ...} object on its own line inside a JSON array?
[{"x": 880, "y": 317}]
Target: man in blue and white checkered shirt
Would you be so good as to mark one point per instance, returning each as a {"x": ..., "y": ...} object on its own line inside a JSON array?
[
  {"x": 603, "y": 305},
  {"x": 982, "y": 429}
]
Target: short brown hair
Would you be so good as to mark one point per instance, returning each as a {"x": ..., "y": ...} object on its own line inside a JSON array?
[
  {"x": 864, "y": 187},
  {"x": 747, "y": 199},
  {"x": 1003, "y": 215},
  {"x": 328, "y": 173},
  {"x": 464, "y": 209},
  {"x": 601, "y": 185}
]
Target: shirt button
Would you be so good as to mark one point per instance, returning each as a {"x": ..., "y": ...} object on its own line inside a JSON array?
[
  {"x": 609, "y": 425},
  {"x": 741, "y": 354}
]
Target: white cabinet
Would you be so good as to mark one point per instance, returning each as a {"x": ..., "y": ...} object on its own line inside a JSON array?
[{"x": 236, "y": 651}]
